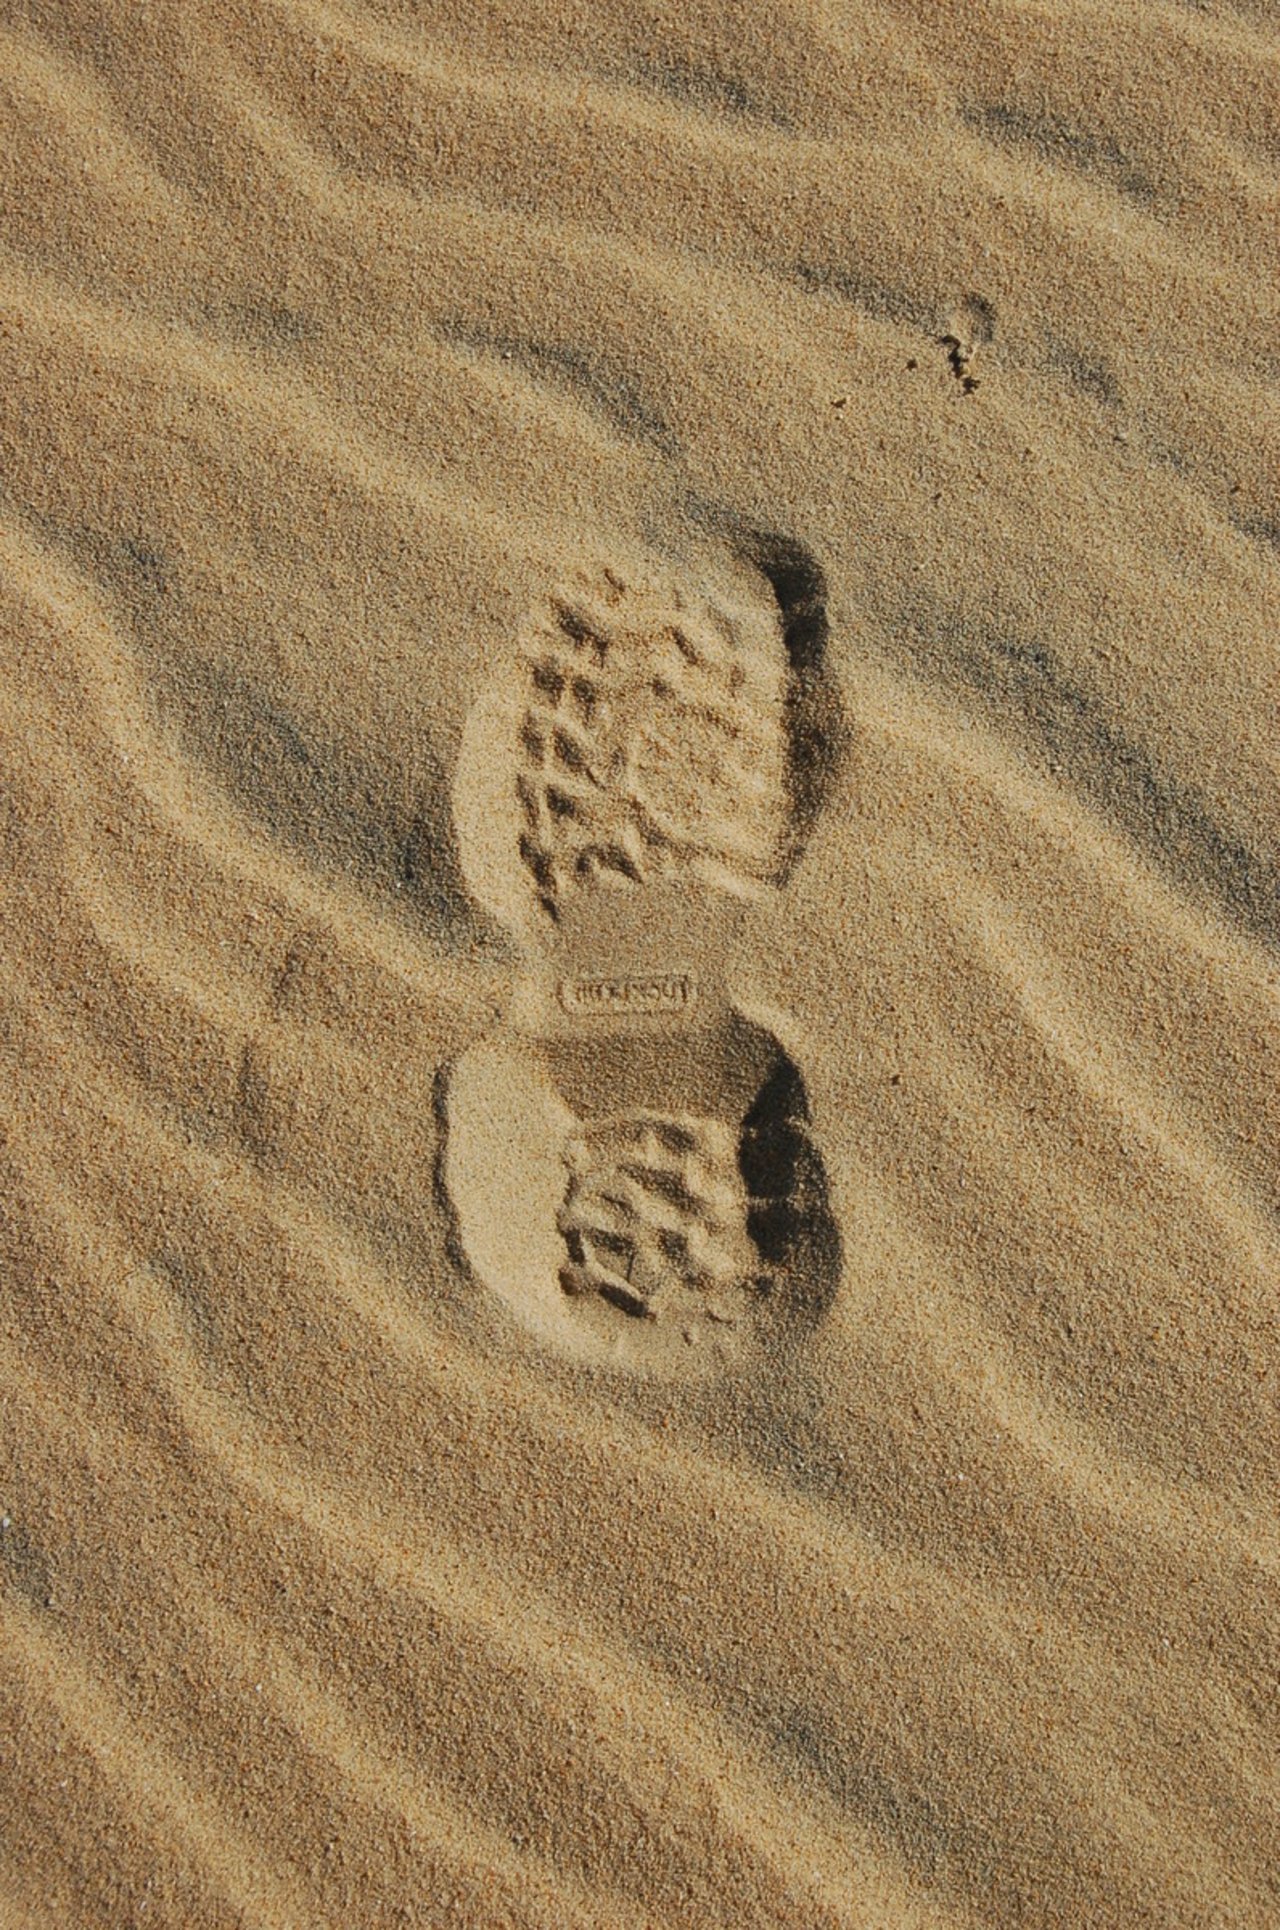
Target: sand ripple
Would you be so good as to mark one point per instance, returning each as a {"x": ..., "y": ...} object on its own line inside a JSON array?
[{"x": 332, "y": 343}]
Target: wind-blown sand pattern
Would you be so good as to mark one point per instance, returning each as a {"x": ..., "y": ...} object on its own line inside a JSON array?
[{"x": 334, "y": 1590}]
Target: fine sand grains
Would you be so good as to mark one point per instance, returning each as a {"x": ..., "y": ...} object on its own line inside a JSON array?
[{"x": 639, "y": 965}]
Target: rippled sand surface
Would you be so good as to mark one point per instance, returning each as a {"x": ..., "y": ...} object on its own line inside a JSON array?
[{"x": 356, "y": 1570}]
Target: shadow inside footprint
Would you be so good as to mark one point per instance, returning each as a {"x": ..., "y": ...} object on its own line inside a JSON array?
[
  {"x": 814, "y": 719},
  {"x": 789, "y": 1215}
]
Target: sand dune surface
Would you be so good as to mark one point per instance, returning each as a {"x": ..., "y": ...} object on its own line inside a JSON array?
[{"x": 639, "y": 965}]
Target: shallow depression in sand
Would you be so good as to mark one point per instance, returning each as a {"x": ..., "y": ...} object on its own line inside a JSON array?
[{"x": 630, "y": 1158}]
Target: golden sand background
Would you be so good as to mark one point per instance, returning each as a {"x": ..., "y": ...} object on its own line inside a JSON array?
[{"x": 331, "y": 338}]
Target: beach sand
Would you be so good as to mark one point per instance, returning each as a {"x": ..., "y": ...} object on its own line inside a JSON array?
[{"x": 640, "y": 1015}]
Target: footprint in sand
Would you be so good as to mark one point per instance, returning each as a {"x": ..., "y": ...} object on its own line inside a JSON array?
[{"x": 629, "y": 1154}]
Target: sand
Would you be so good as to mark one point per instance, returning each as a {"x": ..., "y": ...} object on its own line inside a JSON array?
[{"x": 639, "y": 1122}]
